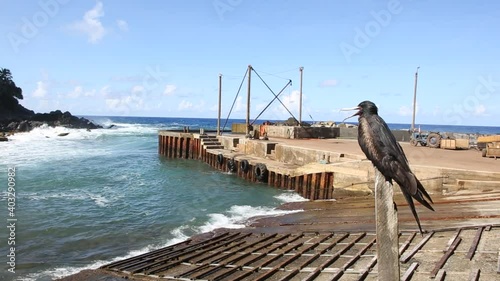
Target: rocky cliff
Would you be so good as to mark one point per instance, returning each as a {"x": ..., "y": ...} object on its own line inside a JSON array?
[{"x": 17, "y": 118}]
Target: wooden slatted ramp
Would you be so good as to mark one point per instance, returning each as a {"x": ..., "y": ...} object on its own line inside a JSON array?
[{"x": 470, "y": 253}]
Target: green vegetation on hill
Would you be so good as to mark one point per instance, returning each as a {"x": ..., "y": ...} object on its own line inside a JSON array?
[
  {"x": 9, "y": 96},
  {"x": 16, "y": 118}
]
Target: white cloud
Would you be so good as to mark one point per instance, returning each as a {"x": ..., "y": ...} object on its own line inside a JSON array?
[
  {"x": 41, "y": 89},
  {"x": 105, "y": 91},
  {"x": 408, "y": 111},
  {"x": 480, "y": 110},
  {"x": 291, "y": 101},
  {"x": 122, "y": 25},
  {"x": 169, "y": 90},
  {"x": 78, "y": 92},
  {"x": 137, "y": 89},
  {"x": 185, "y": 105},
  {"x": 91, "y": 24},
  {"x": 114, "y": 104},
  {"x": 329, "y": 83},
  {"x": 240, "y": 106},
  {"x": 125, "y": 104},
  {"x": 90, "y": 93}
]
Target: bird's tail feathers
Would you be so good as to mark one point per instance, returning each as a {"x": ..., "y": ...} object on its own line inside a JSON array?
[
  {"x": 412, "y": 208},
  {"x": 421, "y": 191}
]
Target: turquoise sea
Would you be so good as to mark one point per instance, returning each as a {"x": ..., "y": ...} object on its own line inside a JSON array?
[{"x": 90, "y": 198}]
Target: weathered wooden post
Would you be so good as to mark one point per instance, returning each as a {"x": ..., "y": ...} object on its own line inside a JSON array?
[{"x": 387, "y": 229}]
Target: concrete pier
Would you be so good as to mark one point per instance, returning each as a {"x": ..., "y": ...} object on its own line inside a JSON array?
[
  {"x": 211, "y": 150},
  {"x": 320, "y": 169}
]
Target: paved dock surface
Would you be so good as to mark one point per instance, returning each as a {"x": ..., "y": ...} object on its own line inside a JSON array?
[{"x": 417, "y": 155}]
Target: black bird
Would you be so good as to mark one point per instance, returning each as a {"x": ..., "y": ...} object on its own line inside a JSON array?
[{"x": 381, "y": 148}]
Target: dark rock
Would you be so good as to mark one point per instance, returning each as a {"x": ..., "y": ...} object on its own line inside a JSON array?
[
  {"x": 12, "y": 126},
  {"x": 53, "y": 119},
  {"x": 35, "y": 124},
  {"x": 15, "y": 117},
  {"x": 291, "y": 122},
  {"x": 14, "y": 112},
  {"x": 24, "y": 126}
]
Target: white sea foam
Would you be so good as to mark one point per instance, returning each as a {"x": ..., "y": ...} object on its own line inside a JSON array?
[
  {"x": 60, "y": 272},
  {"x": 98, "y": 199},
  {"x": 48, "y": 133},
  {"x": 238, "y": 216},
  {"x": 45, "y": 144},
  {"x": 290, "y": 196},
  {"x": 179, "y": 235}
]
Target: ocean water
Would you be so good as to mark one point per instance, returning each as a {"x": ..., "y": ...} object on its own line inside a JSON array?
[{"x": 90, "y": 198}]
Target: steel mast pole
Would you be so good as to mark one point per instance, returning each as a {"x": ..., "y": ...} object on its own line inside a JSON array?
[
  {"x": 414, "y": 101},
  {"x": 220, "y": 103},
  {"x": 248, "y": 100},
  {"x": 300, "y": 92}
]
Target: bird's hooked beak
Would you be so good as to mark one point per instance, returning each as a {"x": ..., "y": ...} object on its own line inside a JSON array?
[{"x": 352, "y": 108}]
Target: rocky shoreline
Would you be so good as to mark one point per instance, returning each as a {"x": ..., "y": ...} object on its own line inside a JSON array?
[{"x": 53, "y": 119}]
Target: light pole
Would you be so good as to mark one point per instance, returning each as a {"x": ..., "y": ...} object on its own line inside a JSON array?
[
  {"x": 301, "y": 69},
  {"x": 414, "y": 101},
  {"x": 220, "y": 103}
]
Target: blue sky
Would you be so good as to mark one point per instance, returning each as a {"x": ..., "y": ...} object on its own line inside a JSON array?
[{"x": 163, "y": 58}]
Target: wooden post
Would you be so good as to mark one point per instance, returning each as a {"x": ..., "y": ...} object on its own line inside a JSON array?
[{"x": 387, "y": 229}]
